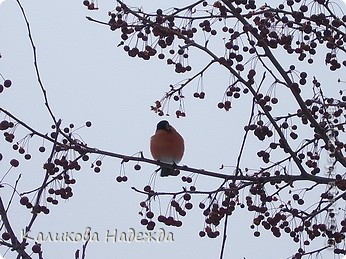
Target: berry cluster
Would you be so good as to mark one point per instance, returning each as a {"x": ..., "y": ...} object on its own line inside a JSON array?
[
  {"x": 58, "y": 167},
  {"x": 6, "y": 84},
  {"x": 91, "y": 5},
  {"x": 178, "y": 206},
  {"x": 24, "y": 200},
  {"x": 251, "y": 37}
]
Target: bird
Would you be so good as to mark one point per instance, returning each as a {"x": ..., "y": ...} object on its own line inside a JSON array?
[{"x": 167, "y": 146}]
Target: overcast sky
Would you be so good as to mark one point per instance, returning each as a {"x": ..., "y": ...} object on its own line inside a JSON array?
[{"x": 87, "y": 77}]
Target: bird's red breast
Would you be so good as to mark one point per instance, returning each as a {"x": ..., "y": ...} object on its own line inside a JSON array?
[{"x": 167, "y": 145}]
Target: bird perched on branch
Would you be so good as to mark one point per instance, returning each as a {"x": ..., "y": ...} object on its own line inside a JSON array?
[{"x": 167, "y": 146}]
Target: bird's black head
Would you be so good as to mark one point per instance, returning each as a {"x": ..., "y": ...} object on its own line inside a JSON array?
[{"x": 163, "y": 125}]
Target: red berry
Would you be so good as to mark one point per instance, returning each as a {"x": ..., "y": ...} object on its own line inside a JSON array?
[
  {"x": 150, "y": 214},
  {"x": 4, "y": 125},
  {"x": 188, "y": 205},
  {"x": 151, "y": 225},
  {"x": 36, "y": 248},
  {"x": 220, "y": 105},
  {"x": 24, "y": 200},
  {"x": 147, "y": 188},
  {"x": 161, "y": 218},
  {"x": 7, "y": 83},
  {"x": 5, "y": 236},
  {"x": 45, "y": 210},
  {"x": 14, "y": 162},
  {"x": 274, "y": 100},
  {"x": 178, "y": 223},
  {"x": 98, "y": 162},
  {"x": 144, "y": 221},
  {"x": 187, "y": 196}
]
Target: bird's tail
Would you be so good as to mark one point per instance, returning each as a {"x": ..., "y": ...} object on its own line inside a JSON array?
[{"x": 166, "y": 171}]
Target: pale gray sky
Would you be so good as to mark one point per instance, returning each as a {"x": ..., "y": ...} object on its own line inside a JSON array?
[{"x": 88, "y": 78}]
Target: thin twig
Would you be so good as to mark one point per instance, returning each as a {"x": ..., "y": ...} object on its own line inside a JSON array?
[
  {"x": 35, "y": 62},
  {"x": 16, "y": 245}
]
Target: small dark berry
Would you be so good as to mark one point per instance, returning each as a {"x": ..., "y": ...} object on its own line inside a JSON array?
[
  {"x": 98, "y": 162},
  {"x": 36, "y": 248},
  {"x": 7, "y": 83},
  {"x": 144, "y": 222},
  {"x": 24, "y": 200},
  {"x": 5, "y": 236},
  {"x": 14, "y": 162}
]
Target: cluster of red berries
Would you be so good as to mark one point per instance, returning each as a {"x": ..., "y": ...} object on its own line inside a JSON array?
[
  {"x": 148, "y": 215},
  {"x": 187, "y": 179},
  {"x": 170, "y": 221},
  {"x": 97, "y": 166},
  {"x": 158, "y": 108},
  {"x": 36, "y": 248},
  {"x": 6, "y": 84},
  {"x": 163, "y": 30},
  {"x": 123, "y": 178},
  {"x": 120, "y": 178},
  {"x": 213, "y": 215},
  {"x": 7, "y": 125},
  {"x": 90, "y": 5},
  {"x": 62, "y": 163},
  {"x": 231, "y": 92},
  {"x": 180, "y": 205},
  {"x": 24, "y": 200},
  {"x": 269, "y": 28},
  {"x": 199, "y": 95},
  {"x": 64, "y": 193},
  {"x": 261, "y": 131}
]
